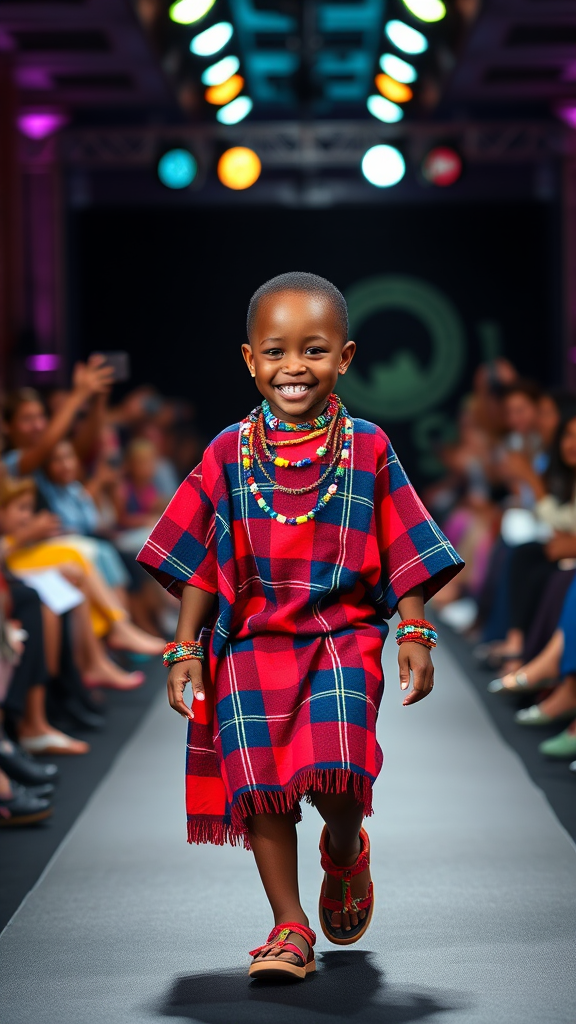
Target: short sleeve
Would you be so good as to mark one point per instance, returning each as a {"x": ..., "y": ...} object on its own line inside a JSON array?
[
  {"x": 182, "y": 546},
  {"x": 413, "y": 549}
]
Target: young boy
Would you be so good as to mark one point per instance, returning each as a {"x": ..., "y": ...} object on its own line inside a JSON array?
[{"x": 294, "y": 539}]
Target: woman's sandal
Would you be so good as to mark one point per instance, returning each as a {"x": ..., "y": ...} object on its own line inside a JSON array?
[
  {"x": 346, "y": 904},
  {"x": 521, "y": 684},
  {"x": 270, "y": 967}
]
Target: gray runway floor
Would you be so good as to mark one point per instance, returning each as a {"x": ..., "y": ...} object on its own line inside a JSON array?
[{"x": 475, "y": 886}]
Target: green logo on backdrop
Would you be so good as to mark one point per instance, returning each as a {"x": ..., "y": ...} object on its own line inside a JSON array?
[{"x": 398, "y": 387}]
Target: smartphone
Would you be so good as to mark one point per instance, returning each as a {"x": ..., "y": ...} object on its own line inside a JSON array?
[{"x": 120, "y": 363}]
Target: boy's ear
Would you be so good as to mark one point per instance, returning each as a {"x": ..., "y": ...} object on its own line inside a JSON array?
[
  {"x": 249, "y": 358},
  {"x": 346, "y": 356}
]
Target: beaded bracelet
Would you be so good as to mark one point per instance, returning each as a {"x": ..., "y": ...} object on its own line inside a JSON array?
[
  {"x": 418, "y": 631},
  {"x": 182, "y": 651}
]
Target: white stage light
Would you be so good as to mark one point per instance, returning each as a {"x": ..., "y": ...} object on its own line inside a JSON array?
[
  {"x": 408, "y": 39},
  {"x": 397, "y": 68},
  {"x": 384, "y": 109},
  {"x": 212, "y": 39},
  {"x": 383, "y": 166},
  {"x": 221, "y": 71}
]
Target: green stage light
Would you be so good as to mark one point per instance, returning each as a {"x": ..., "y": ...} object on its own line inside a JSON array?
[
  {"x": 185, "y": 12},
  {"x": 426, "y": 10}
]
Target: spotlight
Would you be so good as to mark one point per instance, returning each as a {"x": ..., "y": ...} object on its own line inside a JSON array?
[
  {"x": 239, "y": 167},
  {"x": 408, "y": 39},
  {"x": 41, "y": 124},
  {"x": 44, "y": 362},
  {"x": 384, "y": 110},
  {"x": 426, "y": 10},
  {"x": 219, "y": 94},
  {"x": 383, "y": 166},
  {"x": 397, "y": 68},
  {"x": 212, "y": 39},
  {"x": 236, "y": 111},
  {"x": 177, "y": 168},
  {"x": 393, "y": 90},
  {"x": 185, "y": 12},
  {"x": 442, "y": 166},
  {"x": 219, "y": 72}
]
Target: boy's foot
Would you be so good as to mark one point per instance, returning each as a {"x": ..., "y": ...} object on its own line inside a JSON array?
[
  {"x": 346, "y": 897},
  {"x": 286, "y": 953}
]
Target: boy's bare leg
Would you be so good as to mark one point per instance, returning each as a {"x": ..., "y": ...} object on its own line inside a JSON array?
[
  {"x": 273, "y": 841},
  {"x": 343, "y": 816}
]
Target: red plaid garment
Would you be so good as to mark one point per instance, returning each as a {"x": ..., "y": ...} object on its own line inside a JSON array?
[{"x": 293, "y": 675}]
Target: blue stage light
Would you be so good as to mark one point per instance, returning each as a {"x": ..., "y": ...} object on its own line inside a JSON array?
[
  {"x": 408, "y": 39},
  {"x": 221, "y": 71},
  {"x": 177, "y": 168},
  {"x": 383, "y": 166},
  {"x": 384, "y": 109},
  {"x": 212, "y": 39},
  {"x": 397, "y": 68}
]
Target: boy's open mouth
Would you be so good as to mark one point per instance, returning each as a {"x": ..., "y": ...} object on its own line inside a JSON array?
[{"x": 293, "y": 391}]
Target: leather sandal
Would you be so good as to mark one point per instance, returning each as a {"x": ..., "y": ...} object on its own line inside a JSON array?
[
  {"x": 270, "y": 967},
  {"x": 347, "y": 904}
]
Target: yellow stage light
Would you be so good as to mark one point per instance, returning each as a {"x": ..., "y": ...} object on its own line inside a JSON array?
[
  {"x": 220, "y": 94},
  {"x": 398, "y": 92},
  {"x": 239, "y": 167}
]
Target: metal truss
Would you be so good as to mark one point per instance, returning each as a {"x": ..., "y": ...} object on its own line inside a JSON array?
[{"x": 320, "y": 144}]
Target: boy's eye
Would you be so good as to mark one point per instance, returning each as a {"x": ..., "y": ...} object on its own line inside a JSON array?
[
  {"x": 314, "y": 350},
  {"x": 273, "y": 352}
]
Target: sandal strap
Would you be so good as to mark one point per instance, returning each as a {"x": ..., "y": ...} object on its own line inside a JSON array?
[
  {"x": 362, "y": 862},
  {"x": 347, "y": 904},
  {"x": 280, "y": 933}
]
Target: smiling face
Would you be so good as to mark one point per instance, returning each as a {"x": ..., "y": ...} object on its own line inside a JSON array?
[{"x": 296, "y": 353}]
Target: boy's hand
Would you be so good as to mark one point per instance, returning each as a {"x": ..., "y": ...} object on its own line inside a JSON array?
[
  {"x": 415, "y": 658},
  {"x": 180, "y": 674}
]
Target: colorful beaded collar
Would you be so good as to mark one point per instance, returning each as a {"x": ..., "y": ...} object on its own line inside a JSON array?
[
  {"x": 273, "y": 423},
  {"x": 248, "y": 431}
]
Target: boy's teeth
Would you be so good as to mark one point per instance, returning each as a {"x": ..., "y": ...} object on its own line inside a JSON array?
[{"x": 293, "y": 389}]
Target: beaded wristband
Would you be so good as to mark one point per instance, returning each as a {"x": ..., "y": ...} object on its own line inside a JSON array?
[
  {"x": 182, "y": 651},
  {"x": 418, "y": 631}
]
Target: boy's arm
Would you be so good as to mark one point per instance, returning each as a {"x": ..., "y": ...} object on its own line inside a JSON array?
[
  {"x": 194, "y": 611},
  {"x": 414, "y": 657}
]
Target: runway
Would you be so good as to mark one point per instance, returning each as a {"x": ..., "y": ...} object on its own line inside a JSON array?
[{"x": 475, "y": 883}]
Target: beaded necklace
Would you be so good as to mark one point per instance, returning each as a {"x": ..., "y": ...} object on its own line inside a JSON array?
[
  {"x": 264, "y": 446},
  {"x": 342, "y": 445},
  {"x": 323, "y": 420}
]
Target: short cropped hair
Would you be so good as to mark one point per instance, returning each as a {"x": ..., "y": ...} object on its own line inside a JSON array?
[
  {"x": 298, "y": 281},
  {"x": 529, "y": 388}
]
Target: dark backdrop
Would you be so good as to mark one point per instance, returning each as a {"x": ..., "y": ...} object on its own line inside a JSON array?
[{"x": 434, "y": 291}]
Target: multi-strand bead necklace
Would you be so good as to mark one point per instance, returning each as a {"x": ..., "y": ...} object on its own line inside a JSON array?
[{"x": 255, "y": 447}]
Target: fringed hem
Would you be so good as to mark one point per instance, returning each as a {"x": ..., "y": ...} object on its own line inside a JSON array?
[{"x": 218, "y": 831}]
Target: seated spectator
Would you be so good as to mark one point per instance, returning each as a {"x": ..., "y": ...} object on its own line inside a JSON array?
[
  {"x": 31, "y": 435},
  {"x": 60, "y": 488},
  {"x": 140, "y": 501},
  {"x": 26, "y": 551}
]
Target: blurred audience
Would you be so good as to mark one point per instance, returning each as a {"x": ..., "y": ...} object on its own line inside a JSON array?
[
  {"x": 508, "y": 502},
  {"x": 81, "y": 484}
]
